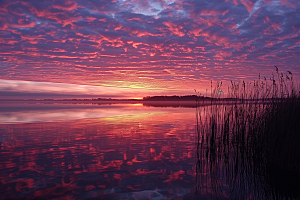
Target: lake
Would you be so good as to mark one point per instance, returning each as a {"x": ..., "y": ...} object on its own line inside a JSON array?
[
  {"x": 86, "y": 151},
  {"x": 115, "y": 151}
]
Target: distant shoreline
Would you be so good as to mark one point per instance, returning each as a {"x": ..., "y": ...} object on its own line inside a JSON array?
[
  {"x": 149, "y": 103},
  {"x": 168, "y": 99}
]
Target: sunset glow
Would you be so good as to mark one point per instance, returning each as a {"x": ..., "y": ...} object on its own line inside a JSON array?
[{"x": 131, "y": 49}]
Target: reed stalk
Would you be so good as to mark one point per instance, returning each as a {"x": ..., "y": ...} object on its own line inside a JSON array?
[{"x": 249, "y": 148}]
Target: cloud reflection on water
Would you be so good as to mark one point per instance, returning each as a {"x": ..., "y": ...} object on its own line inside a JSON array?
[{"x": 149, "y": 153}]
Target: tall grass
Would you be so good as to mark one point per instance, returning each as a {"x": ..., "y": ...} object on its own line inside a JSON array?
[{"x": 249, "y": 148}]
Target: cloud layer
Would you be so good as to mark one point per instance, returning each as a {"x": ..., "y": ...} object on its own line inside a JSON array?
[{"x": 175, "y": 45}]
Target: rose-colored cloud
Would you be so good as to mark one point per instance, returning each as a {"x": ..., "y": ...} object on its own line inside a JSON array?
[
  {"x": 175, "y": 29},
  {"x": 146, "y": 44}
]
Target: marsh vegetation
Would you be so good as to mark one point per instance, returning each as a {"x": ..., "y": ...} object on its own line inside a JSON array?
[{"x": 251, "y": 147}]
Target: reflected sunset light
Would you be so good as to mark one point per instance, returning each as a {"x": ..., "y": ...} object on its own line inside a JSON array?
[
  {"x": 149, "y": 99},
  {"x": 147, "y": 47}
]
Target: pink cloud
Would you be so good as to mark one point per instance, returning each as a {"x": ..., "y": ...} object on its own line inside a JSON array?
[
  {"x": 175, "y": 29},
  {"x": 248, "y": 4},
  {"x": 67, "y": 5},
  {"x": 196, "y": 32},
  {"x": 92, "y": 42}
]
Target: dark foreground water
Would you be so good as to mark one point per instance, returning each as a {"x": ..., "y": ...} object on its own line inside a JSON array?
[{"x": 129, "y": 151}]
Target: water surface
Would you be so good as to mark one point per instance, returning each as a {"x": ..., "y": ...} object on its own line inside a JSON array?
[
  {"x": 85, "y": 151},
  {"x": 135, "y": 151}
]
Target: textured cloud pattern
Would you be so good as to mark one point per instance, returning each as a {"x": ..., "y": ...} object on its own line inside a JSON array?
[{"x": 147, "y": 44}]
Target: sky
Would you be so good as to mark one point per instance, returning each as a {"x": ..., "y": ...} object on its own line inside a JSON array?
[{"x": 136, "y": 48}]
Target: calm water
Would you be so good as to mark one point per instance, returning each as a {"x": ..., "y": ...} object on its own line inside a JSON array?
[
  {"x": 77, "y": 151},
  {"x": 131, "y": 151}
]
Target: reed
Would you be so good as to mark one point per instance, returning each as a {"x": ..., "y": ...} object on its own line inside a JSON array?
[{"x": 249, "y": 148}]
